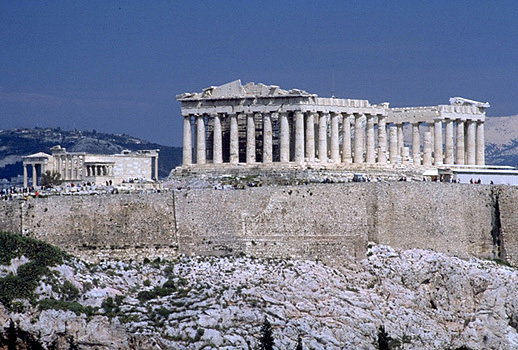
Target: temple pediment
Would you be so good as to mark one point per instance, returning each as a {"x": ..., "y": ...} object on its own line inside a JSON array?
[{"x": 235, "y": 89}]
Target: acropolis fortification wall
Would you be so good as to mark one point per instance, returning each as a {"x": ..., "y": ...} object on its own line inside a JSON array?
[{"x": 332, "y": 222}]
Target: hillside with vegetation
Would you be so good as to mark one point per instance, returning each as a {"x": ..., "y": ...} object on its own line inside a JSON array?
[
  {"x": 408, "y": 299},
  {"x": 16, "y": 143}
]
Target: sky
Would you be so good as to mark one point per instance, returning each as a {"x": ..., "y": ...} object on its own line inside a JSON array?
[{"x": 116, "y": 66}]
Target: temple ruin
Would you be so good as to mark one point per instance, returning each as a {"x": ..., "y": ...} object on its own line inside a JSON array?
[
  {"x": 261, "y": 125},
  {"x": 94, "y": 168}
]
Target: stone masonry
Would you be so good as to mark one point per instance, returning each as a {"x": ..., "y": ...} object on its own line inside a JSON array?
[
  {"x": 257, "y": 124},
  {"x": 326, "y": 221}
]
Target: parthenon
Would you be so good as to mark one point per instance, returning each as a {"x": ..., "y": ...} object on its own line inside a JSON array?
[{"x": 261, "y": 125}]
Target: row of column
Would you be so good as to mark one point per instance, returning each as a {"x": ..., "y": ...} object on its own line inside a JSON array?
[
  {"x": 35, "y": 167},
  {"x": 69, "y": 166},
  {"x": 99, "y": 170},
  {"x": 469, "y": 139}
]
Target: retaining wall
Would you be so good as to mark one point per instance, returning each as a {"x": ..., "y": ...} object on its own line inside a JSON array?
[{"x": 329, "y": 221}]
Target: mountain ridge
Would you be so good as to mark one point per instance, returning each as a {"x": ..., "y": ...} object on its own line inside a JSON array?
[{"x": 19, "y": 142}]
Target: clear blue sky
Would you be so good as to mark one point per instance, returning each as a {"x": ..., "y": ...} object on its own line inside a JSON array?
[{"x": 115, "y": 66}]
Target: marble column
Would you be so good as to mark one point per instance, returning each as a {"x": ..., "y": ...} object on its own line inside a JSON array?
[
  {"x": 250, "y": 139},
  {"x": 267, "y": 139},
  {"x": 310, "y": 137},
  {"x": 437, "y": 151},
  {"x": 217, "y": 146},
  {"x": 480, "y": 147},
  {"x": 299, "y": 137},
  {"x": 382, "y": 139},
  {"x": 358, "y": 139},
  {"x": 335, "y": 141},
  {"x": 25, "y": 181},
  {"x": 234, "y": 140},
  {"x": 393, "y": 145},
  {"x": 431, "y": 129},
  {"x": 66, "y": 168},
  {"x": 370, "y": 155},
  {"x": 322, "y": 137},
  {"x": 110, "y": 171},
  {"x": 416, "y": 144},
  {"x": 448, "y": 142},
  {"x": 470, "y": 152},
  {"x": 427, "y": 148},
  {"x": 34, "y": 176},
  {"x": 459, "y": 159},
  {"x": 285, "y": 138},
  {"x": 400, "y": 139},
  {"x": 200, "y": 140},
  {"x": 346, "y": 139}
]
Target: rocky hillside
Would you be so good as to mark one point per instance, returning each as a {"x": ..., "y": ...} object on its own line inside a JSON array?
[
  {"x": 411, "y": 299},
  {"x": 16, "y": 143}
]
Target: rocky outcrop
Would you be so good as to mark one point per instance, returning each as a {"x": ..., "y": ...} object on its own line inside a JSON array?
[{"x": 423, "y": 299}]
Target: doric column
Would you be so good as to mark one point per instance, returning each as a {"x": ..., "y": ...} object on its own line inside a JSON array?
[
  {"x": 480, "y": 156},
  {"x": 448, "y": 142},
  {"x": 427, "y": 149},
  {"x": 234, "y": 140},
  {"x": 267, "y": 139},
  {"x": 470, "y": 152},
  {"x": 370, "y": 156},
  {"x": 200, "y": 140},
  {"x": 250, "y": 139},
  {"x": 393, "y": 145},
  {"x": 358, "y": 138},
  {"x": 431, "y": 129},
  {"x": 217, "y": 145},
  {"x": 25, "y": 181},
  {"x": 69, "y": 160},
  {"x": 65, "y": 158},
  {"x": 437, "y": 152},
  {"x": 156, "y": 169},
  {"x": 34, "y": 176},
  {"x": 346, "y": 139},
  {"x": 322, "y": 137},
  {"x": 335, "y": 141},
  {"x": 299, "y": 137},
  {"x": 285, "y": 138},
  {"x": 310, "y": 137},
  {"x": 460, "y": 143},
  {"x": 400, "y": 139},
  {"x": 382, "y": 139},
  {"x": 416, "y": 144}
]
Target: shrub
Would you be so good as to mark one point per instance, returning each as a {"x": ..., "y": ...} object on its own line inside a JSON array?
[
  {"x": 41, "y": 256},
  {"x": 74, "y": 306}
]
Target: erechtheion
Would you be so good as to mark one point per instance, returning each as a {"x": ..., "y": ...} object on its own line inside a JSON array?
[
  {"x": 97, "y": 168},
  {"x": 261, "y": 125}
]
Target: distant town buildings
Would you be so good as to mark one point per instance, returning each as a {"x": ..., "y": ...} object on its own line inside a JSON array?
[{"x": 83, "y": 167}]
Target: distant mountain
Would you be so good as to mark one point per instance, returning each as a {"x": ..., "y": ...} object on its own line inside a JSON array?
[
  {"x": 501, "y": 135},
  {"x": 16, "y": 143}
]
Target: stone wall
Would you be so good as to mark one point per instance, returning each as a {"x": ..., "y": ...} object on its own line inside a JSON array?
[{"x": 327, "y": 221}]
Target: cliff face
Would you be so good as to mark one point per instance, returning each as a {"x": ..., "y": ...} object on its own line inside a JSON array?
[{"x": 424, "y": 300}]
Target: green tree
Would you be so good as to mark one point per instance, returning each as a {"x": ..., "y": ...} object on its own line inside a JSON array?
[
  {"x": 383, "y": 339},
  {"x": 266, "y": 336},
  {"x": 50, "y": 179},
  {"x": 299, "y": 343}
]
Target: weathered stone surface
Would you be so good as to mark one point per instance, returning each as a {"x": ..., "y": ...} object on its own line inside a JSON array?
[
  {"x": 425, "y": 300},
  {"x": 326, "y": 221}
]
